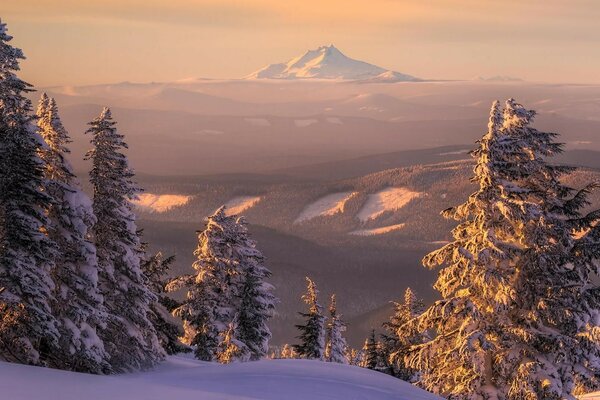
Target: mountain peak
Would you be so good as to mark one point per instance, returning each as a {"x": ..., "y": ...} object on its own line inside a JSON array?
[{"x": 324, "y": 62}]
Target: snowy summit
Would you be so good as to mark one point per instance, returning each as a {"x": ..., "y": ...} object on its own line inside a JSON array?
[{"x": 327, "y": 62}]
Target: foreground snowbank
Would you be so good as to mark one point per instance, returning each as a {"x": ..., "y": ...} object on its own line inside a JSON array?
[{"x": 185, "y": 378}]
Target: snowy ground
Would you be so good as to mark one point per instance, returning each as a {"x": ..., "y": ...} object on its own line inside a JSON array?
[
  {"x": 184, "y": 378},
  {"x": 377, "y": 231},
  {"x": 389, "y": 199},
  {"x": 326, "y": 206},
  {"x": 240, "y": 204},
  {"x": 160, "y": 202}
]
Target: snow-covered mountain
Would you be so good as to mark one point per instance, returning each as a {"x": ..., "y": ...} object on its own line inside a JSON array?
[{"x": 327, "y": 62}]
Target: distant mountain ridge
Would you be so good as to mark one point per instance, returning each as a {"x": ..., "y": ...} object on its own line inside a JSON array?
[{"x": 327, "y": 62}]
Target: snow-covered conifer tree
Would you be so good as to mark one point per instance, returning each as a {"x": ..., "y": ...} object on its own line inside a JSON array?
[
  {"x": 287, "y": 351},
  {"x": 312, "y": 333},
  {"x": 230, "y": 348},
  {"x": 519, "y": 309},
  {"x": 371, "y": 354},
  {"x": 399, "y": 337},
  {"x": 129, "y": 336},
  {"x": 336, "y": 348},
  {"x": 156, "y": 267},
  {"x": 77, "y": 304},
  {"x": 27, "y": 329},
  {"x": 256, "y": 301},
  {"x": 209, "y": 306}
]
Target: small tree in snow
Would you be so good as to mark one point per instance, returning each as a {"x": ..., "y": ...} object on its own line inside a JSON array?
[
  {"x": 129, "y": 336},
  {"x": 28, "y": 328},
  {"x": 312, "y": 333},
  {"x": 77, "y": 304},
  {"x": 400, "y": 336},
  {"x": 372, "y": 356},
  {"x": 231, "y": 349},
  {"x": 336, "y": 344},
  {"x": 256, "y": 302},
  {"x": 209, "y": 305},
  {"x": 156, "y": 267}
]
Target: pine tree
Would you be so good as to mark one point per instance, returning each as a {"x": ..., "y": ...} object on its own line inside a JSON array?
[
  {"x": 400, "y": 337},
  {"x": 257, "y": 303},
  {"x": 129, "y": 337},
  {"x": 27, "y": 329},
  {"x": 518, "y": 309},
  {"x": 336, "y": 344},
  {"x": 155, "y": 268},
  {"x": 312, "y": 333},
  {"x": 230, "y": 348},
  {"x": 209, "y": 305},
  {"x": 371, "y": 354},
  {"x": 77, "y": 304},
  {"x": 287, "y": 351}
]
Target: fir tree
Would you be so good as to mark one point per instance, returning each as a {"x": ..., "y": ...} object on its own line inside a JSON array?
[
  {"x": 129, "y": 337},
  {"x": 399, "y": 337},
  {"x": 336, "y": 344},
  {"x": 209, "y": 305},
  {"x": 28, "y": 329},
  {"x": 517, "y": 318},
  {"x": 230, "y": 348},
  {"x": 155, "y": 268},
  {"x": 312, "y": 333},
  {"x": 257, "y": 303},
  {"x": 77, "y": 304},
  {"x": 287, "y": 351},
  {"x": 371, "y": 356}
]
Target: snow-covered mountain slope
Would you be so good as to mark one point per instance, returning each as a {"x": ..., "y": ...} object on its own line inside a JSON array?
[
  {"x": 185, "y": 378},
  {"x": 327, "y": 62}
]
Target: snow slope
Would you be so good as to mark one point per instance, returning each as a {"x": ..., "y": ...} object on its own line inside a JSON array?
[
  {"x": 389, "y": 199},
  {"x": 240, "y": 204},
  {"x": 181, "y": 378},
  {"x": 326, "y": 206},
  {"x": 327, "y": 62},
  {"x": 377, "y": 231},
  {"x": 160, "y": 203}
]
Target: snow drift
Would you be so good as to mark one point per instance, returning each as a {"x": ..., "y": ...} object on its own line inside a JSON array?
[{"x": 181, "y": 377}]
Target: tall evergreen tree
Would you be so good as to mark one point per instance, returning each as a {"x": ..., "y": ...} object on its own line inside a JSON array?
[
  {"x": 256, "y": 301},
  {"x": 400, "y": 337},
  {"x": 129, "y": 337},
  {"x": 77, "y": 304},
  {"x": 336, "y": 348},
  {"x": 27, "y": 329},
  {"x": 156, "y": 268},
  {"x": 209, "y": 305},
  {"x": 517, "y": 318},
  {"x": 312, "y": 333}
]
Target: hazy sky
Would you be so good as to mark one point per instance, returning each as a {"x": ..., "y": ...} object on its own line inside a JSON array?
[{"x": 101, "y": 41}]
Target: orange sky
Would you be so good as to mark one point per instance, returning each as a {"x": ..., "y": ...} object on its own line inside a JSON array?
[{"x": 93, "y": 41}]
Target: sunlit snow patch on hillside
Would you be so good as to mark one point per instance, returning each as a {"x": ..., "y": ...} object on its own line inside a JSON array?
[
  {"x": 326, "y": 206},
  {"x": 160, "y": 203},
  {"x": 240, "y": 204},
  {"x": 303, "y": 123},
  {"x": 389, "y": 199},
  {"x": 377, "y": 231}
]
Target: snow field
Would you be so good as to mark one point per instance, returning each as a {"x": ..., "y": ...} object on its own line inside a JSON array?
[
  {"x": 389, "y": 199},
  {"x": 160, "y": 203},
  {"x": 326, "y": 206},
  {"x": 181, "y": 377},
  {"x": 377, "y": 231},
  {"x": 240, "y": 204}
]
